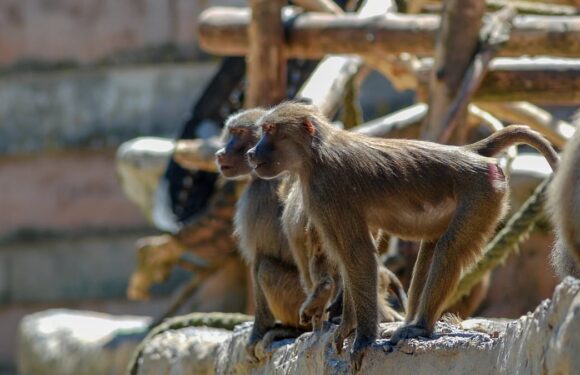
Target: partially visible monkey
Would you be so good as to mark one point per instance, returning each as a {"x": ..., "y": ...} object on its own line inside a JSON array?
[
  {"x": 449, "y": 197},
  {"x": 564, "y": 207},
  {"x": 276, "y": 281}
]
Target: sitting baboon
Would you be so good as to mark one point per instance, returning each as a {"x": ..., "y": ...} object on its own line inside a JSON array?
[
  {"x": 449, "y": 197},
  {"x": 276, "y": 280},
  {"x": 564, "y": 207}
]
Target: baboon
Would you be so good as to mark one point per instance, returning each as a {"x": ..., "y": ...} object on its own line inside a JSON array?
[
  {"x": 564, "y": 208},
  {"x": 263, "y": 244},
  {"x": 265, "y": 247},
  {"x": 449, "y": 197},
  {"x": 319, "y": 274}
]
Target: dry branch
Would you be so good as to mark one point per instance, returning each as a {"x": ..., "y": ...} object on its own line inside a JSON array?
[{"x": 222, "y": 31}]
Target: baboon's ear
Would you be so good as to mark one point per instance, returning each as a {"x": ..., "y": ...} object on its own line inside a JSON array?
[{"x": 309, "y": 126}]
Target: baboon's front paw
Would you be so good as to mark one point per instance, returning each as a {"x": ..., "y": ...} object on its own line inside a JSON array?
[
  {"x": 305, "y": 317},
  {"x": 261, "y": 351},
  {"x": 251, "y": 349},
  {"x": 409, "y": 332},
  {"x": 340, "y": 335},
  {"x": 358, "y": 351}
]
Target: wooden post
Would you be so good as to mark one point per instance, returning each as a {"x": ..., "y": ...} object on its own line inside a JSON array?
[
  {"x": 266, "y": 61},
  {"x": 455, "y": 46}
]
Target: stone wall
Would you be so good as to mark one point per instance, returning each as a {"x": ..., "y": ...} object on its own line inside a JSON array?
[{"x": 89, "y": 31}]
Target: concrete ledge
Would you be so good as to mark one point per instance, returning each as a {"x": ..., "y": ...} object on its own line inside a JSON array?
[
  {"x": 543, "y": 342},
  {"x": 67, "y": 342}
]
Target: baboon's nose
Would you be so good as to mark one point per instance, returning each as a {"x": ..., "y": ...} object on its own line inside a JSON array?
[{"x": 251, "y": 154}]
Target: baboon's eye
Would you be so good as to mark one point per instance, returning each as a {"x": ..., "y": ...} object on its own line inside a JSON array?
[
  {"x": 238, "y": 131},
  {"x": 268, "y": 128}
]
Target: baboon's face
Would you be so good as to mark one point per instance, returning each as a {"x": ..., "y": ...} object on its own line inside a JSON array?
[
  {"x": 231, "y": 159},
  {"x": 276, "y": 152}
]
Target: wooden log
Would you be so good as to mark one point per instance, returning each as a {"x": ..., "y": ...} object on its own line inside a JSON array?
[
  {"x": 556, "y": 131},
  {"x": 442, "y": 124},
  {"x": 523, "y": 7},
  {"x": 400, "y": 124},
  {"x": 327, "y": 84},
  {"x": 266, "y": 61},
  {"x": 222, "y": 31},
  {"x": 324, "y": 6},
  {"x": 456, "y": 45},
  {"x": 197, "y": 154},
  {"x": 541, "y": 80}
]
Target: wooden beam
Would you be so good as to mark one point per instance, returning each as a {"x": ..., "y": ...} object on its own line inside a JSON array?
[
  {"x": 222, "y": 31},
  {"x": 457, "y": 43},
  {"x": 400, "y": 124},
  {"x": 266, "y": 61},
  {"x": 556, "y": 131},
  {"x": 326, "y": 85},
  {"x": 541, "y": 80}
]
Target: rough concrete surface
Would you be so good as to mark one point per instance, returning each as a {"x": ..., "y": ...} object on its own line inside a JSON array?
[
  {"x": 64, "y": 342},
  {"x": 543, "y": 342}
]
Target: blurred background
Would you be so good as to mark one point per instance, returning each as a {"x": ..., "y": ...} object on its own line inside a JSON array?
[{"x": 77, "y": 79}]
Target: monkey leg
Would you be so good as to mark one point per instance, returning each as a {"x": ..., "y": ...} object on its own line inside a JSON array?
[
  {"x": 264, "y": 319},
  {"x": 314, "y": 308},
  {"x": 470, "y": 228},
  {"x": 335, "y": 307},
  {"x": 281, "y": 286},
  {"x": 347, "y": 319},
  {"x": 419, "y": 278},
  {"x": 360, "y": 273}
]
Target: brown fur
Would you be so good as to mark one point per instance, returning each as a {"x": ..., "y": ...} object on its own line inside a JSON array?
[
  {"x": 564, "y": 207},
  {"x": 320, "y": 277},
  {"x": 449, "y": 197},
  {"x": 262, "y": 241}
]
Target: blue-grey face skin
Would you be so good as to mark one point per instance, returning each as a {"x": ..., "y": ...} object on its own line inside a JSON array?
[
  {"x": 263, "y": 158},
  {"x": 232, "y": 160}
]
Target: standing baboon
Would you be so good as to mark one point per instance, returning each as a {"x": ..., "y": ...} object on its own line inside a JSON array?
[
  {"x": 319, "y": 274},
  {"x": 449, "y": 197},
  {"x": 564, "y": 207},
  {"x": 276, "y": 281}
]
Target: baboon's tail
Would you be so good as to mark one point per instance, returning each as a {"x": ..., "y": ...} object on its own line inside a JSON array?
[
  {"x": 515, "y": 134},
  {"x": 396, "y": 288}
]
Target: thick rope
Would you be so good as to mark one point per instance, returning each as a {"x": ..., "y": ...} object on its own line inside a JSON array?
[
  {"x": 215, "y": 319},
  {"x": 505, "y": 242}
]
